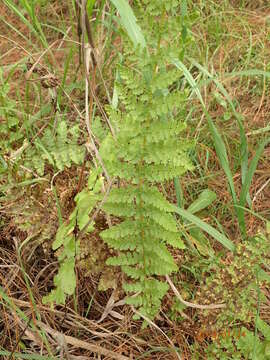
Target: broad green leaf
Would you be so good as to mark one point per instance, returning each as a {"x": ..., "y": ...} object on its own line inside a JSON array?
[
  {"x": 222, "y": 239},
  {"x": 205, "y": 199},
  {"x": 85, "y": 203},
  {"x": 251, "y": 171},
  {"x": 66, "y": 278},
  {"x": 55, "y": 296},
  {"x": 69, "y": 249},
  {"x": 245, "y": 343},
  {"x": 129, "y": 22},
  {"x": 63, "y": 232},
  {"x": 93, "y": 177}
]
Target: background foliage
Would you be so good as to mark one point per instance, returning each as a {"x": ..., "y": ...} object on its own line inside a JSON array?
[{"x": 134, "y": 182}]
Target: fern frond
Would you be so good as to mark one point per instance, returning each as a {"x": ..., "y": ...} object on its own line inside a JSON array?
[
  {"x": 148, "y": 149},
  {"x": 60, "y": 150}
]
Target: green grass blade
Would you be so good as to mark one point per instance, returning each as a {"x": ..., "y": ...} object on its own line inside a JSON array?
[
  {"x": 223, "y": 157},
  {"x": 260, "y": 131},
  {"x": 253, "y": 213},
  {"x": 218, "y": 142},
  {"x": 90, "y": 6},
  {"x": 15, "y": 9},
  {"x": 30, "y": 8},
  {"x": 13, "y": 28},
  {"x": 179, "y": 192},
  {"x": 205, "y": 199},
  {"x": 251, "y": 171},
  {"x": 243, "y": 139},
  {"x": 222, "y": 239},
  {"x": 179, "y": 65},
  {"x": 36, "y": 28},
  {"x": 7, "y": 302},
  {"x": 58, "y": 206},
  {"x": 66, "y": 67},
  {"x": 129, "y": 22}
]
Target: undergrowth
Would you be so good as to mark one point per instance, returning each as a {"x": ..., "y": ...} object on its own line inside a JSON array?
[{"x": 132, "y": 177}]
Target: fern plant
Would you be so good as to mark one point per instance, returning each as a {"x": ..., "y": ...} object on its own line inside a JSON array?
[
  {"x": 242, "y": 344},
  {"x": 10, "y": 132},
  {"x": 147, "y": 150},
  {"x": 59, "y": 150},
  {"x": 236, "y": 283}
]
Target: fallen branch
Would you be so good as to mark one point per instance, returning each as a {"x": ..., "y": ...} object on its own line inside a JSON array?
[{"x": 189, "y": 304}]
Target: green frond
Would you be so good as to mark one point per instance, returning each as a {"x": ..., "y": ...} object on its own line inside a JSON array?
[
  {"x": 166, "y": 220},
  {"x": 60, "y": 150},
  {"x": 125, "y": 259},
  {"x": 172, "y": 238},
  {"x": 133, "y": 273},
  {"x": 152, "y": 197},
  {"x": 126, "y": 228},
  {"x": 163, "y": 130},
  {"x": 148, "y": 148},
  {"x": 164, "y": 79},
  {"x": 119, "y": 209},
  {"x": 161, "y": 173}
]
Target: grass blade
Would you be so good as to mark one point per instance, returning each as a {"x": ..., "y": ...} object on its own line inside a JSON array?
[
  {"x": 218, "y": 142},
  {"x": 243, "y": 139},
  {"x": 179, "y": 65},
  {"x": 223, "y": 157},
  {"x": 222, "y": 239},
  {"x": 129, "y": 22},
  {"x": 205, "y": 199},
  {"x": 251, "y": 171},
  {"x": 35, "y": 28},
  {"x": 179, "y": 192},
  {"x": 251, "y": 72}
]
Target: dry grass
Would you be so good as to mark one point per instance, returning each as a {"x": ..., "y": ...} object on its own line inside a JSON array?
[{"x": 74, "y": 331}]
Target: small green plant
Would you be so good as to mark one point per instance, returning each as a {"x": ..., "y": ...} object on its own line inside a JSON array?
[
  {"x": 66, "y": 239},
  {"x": 235, "y": 282},
  {"x": 242, "y": 344}
]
